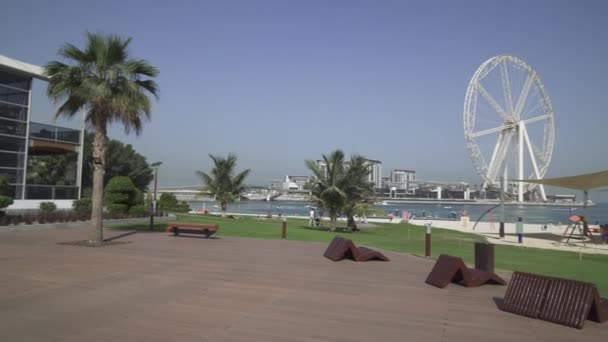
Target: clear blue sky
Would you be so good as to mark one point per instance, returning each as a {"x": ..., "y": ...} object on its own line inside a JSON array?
[{"x": 278, "y": 82}]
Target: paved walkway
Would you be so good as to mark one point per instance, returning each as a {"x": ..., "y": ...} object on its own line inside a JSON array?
[
  {"x": 534, "y": 235},
  {"x": 163, "y": 288}
]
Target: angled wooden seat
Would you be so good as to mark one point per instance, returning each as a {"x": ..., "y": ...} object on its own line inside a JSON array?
[
  {"x": 562, "y": 301},
  {"x": 366, "y": 254},
  {"x": 449, "y": 269},
  {"x": 341, "y": 248}
]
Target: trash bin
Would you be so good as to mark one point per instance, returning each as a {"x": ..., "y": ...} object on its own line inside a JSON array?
[{"x": 484, "y": 256}]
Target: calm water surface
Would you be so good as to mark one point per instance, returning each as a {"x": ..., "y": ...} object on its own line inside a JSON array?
[{"x": 530, "y": 214}]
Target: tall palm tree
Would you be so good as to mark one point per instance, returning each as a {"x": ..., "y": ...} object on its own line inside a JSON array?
[
  {"x": 222, "y": 183},
  {"x": 327, "y": 186},
  {"x": 109, "y": 86}
]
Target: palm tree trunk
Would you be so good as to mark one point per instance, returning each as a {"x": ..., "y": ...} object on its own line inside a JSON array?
[
  {"x": 99, "y": 162},
  {"x": 333, "y": 220},
  {"x": 224, "y": 207}
]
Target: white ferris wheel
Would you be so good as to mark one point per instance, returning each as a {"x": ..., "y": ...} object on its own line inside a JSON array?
[{"x": 509, "y": 125}]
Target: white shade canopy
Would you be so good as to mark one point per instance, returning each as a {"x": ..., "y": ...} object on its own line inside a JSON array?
[{"x": 581, "y": 182}]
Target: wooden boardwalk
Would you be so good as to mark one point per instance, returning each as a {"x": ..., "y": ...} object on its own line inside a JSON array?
[{"x": 163, "y": 288}]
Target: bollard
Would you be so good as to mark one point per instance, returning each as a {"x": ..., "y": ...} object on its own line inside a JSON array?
[
  {"x": 427, "y": 246},
  {"x": 519, "y": 228},
  {"x": 501, "y": 230},
  {"x": 484, "y": 256},
  {"x": 284, "y": 229}
]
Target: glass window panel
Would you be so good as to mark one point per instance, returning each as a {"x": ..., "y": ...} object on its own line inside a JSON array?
[
  {"x": 14, "y": 191},
  {"x": 15, "y": 80},
  {"x": 12, "y": 95},
  {"x": 12, "y": 144},
  {"x": 38, "y": 192},
  {"x": 42, "y": 131},
  {"x": 68, "y": 135},
  {"x": 13, "y": 175},
  {"x": 66, "y": 192},
  {"x": 13, "y": 112},
  {"x": 12, "y": 127},
  {"x": 12, "y": 159}
]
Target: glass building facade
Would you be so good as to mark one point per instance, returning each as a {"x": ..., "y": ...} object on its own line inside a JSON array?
[{"x": 40, "y": 161}]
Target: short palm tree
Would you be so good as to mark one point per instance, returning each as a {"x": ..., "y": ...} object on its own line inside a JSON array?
[
  {"x": 357, "y": 187},
  {"x": 222, "y": 183},
  {"x": 327, "y": 186},
  {"x": 109, "y": 86}
]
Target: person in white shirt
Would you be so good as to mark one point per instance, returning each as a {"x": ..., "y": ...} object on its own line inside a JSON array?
[{"x": 312, "y": 218}]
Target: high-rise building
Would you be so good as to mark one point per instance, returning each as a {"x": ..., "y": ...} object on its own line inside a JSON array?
[
  {"x": 375, "y": 174},
  {"x": 401, "y": 178},
  {"x": 322, "y": 165},
  {"x": 26, "y": 147}
]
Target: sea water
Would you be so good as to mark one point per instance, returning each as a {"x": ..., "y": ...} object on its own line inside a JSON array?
[{"x": 530, "y": 214}]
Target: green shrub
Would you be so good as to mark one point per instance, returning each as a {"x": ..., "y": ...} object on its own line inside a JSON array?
[
  {"x": 167, "y": 201},
  {"x": 82, "y": 205},
  {"x": 120, "y": 194},
  {"x": 5, "y": 200},
  {"x": 139, "y": 197},
  {"x": 137, "y": 210},
  {"x": 116, "y": 208},
  {"x": 182, "y": 207},
  {"x": 48, "y": 207}
]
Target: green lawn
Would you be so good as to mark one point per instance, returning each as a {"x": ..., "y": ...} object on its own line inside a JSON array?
[{"x": 407, "y": 238}]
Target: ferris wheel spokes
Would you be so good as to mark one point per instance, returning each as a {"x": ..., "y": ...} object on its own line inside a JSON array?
[{"x": 506, "y": 86}]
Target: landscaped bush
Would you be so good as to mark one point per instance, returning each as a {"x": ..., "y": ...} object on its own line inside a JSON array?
[
  {"x": 168, "y": 202},
  {"x": 116, "y": 208},
  {"x": 17, "y": 219},
  {"x": 120, "y": 194},
  {"x": 29, "y": 218},
  {"x": 82, "y": 205},
  {"x": 137, "y": 210},
  {"x": 48, "y": 207},
  {"x": 5, "y": 200}
]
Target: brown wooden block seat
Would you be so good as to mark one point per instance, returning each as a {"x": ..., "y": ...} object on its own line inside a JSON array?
[
  {"x": 192, "y": 228},
  {"x": 341, "y": 248},
  {"x": 449, "y": 269},
  {"x": 562, "y": 301}
]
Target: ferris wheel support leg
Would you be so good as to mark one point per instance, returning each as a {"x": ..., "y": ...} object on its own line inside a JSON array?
[
  {"x": 520, "y": 193},
  {"x": 533, "y": 159}
]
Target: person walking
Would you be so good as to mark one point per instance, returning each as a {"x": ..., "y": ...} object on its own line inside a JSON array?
[{"x": 312, "y": 217}]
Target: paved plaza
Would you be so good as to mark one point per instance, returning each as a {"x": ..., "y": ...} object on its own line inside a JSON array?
[{"x": 163, "y": 288}]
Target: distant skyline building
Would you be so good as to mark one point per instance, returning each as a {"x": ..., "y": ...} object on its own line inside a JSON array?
[
  {"x": 375, "y": 174},
  {"x": 322, "y": 165},
  {"x": 295, "y": 182},
  {"x": 400, "y": 178}
]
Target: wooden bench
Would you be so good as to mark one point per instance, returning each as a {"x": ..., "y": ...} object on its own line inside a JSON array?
[
  {"x": 562, "y": 301},
  {"x": 341, "y": 248},
  {"x": 449, "y": 269},
  {"x": 192, "y": 228}
]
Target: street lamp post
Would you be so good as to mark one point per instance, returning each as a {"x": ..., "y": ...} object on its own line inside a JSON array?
[{"x": 153, "y": 212}]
